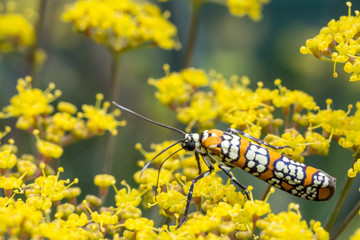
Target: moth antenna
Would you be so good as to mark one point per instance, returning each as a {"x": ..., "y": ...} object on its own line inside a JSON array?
[
  {"x": 158, "y": 176},
  {"x": 147, "y": 119},
  {"x": 164, "y": 150}
]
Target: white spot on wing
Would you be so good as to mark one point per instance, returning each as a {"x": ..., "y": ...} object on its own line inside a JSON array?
[
  {"x": 262, "y": 151},
  {"x": 279, "y": 165},
  {"x": 260, "y": 168},
  {"x": 262, "y": 159},
  {"x": 250, "y": 155},
  {"x": 279, "y": 175},
  {"x": 251, "y": 164}
]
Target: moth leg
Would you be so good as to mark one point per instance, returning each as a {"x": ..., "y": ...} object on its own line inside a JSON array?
[
  {"x": 189, "y": 196},
  {"x": 197, "y": 153},
  {"x": 232, "y": 178}
]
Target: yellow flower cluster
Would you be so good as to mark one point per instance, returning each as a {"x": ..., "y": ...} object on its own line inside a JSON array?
[
  {"x": 176, "y": 88},
  {"x": 256, "y": 111},
  {"x": 338, "y": 42},
  {"x": 252, "y": 8},
  {"x": 33, "y": 193},
  {"x": 16, "y": 31},
  {"x": 226, "y": 212},
  {"x": 34, "y": 111},
  {"x": 288, "y": 225},
  {"x": 286, "y": 117},
  {"x": 28, "y": 212},
  {"x": 122, "y": 25}
]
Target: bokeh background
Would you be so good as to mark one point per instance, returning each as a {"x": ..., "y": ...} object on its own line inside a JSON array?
[{"x": 263, "y": 51}]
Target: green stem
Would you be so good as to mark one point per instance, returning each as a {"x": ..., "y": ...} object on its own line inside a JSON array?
[
  {"x": 338, "y": 206},
  {"x": 114, "y": 92},
  {"x": 192, "y": 33},
  {"x": 348, "y": 219},
  {"x": 38, "y": 42}
]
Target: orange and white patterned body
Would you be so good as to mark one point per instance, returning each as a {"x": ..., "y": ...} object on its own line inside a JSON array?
[{"x": 268, "y": 165}]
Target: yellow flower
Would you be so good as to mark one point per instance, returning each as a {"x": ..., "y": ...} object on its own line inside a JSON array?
[
  {"x": 19, "y": 218},
  {"x": 252, "y": 8},
  {"x": 356, "y": 235},
  {"x": 332, "y": 121},
  {"x": 207, "y": 186},
  {"x": 127, "y": 200},
  {"x": 288, "y": 225},
  {"x": 26, "y": 167},
  {"x": 75, "y": 220},
  {"x": 291, "y": 138},
  {"x": 171, "y": 89},
  {"x": 64, "y": 210},
  {"x": 64, "y": 121},
  {"x": 98, "y": 120},
  {"x": 127, "y": 196},
  {"x": 66, "y": 107},
  {"x": 72, "y": 192},
  {"x": 284, "y": 97},
  {"x": 195, "y": 77},
  {"x": 353, "y": 68},
  {"x": 30, "y": 102},
  {"x": 138, "y": 224},
  {"x": 257, "y": 208},
  {"x": 16, "y": 32},
  {"x": 201, "y": 110},
  {"x": 50, "y": 186},
  {"x": 338, "y": 42},
  {"x": 318, "y": 144},
  {"x": 104, "y": 218},
  {"x": 176, "y": 88},
  {"x": 104, "y": 180},
  {"x": 9, "y": 183},
  {"x": 56, "y": 230},
  {"x": 48, "y": 149},
  {"x": 122, "y": 25},
  {"x": 170, "y": 202},
  {"x": 355, "y": 169},
  {"x": 7, "y": 158},
  {"x": 93, "y": 200}
]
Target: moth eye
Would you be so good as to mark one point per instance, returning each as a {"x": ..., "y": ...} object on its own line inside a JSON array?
[{"x": 190, "y": 146}]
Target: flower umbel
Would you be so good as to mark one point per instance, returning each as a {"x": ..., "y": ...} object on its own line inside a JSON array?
[
  {"x": 16, "y": 31},
  {"x": 98, "y": 118},
  {"x": 122, "y": 25},
  {"x": 252, "y": 8},
  {"x": 338, "y": 42}
]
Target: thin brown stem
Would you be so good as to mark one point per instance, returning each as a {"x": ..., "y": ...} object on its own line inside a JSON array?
[
  {"x": 114, "y": 92},
  {"x": 349, "y": 218},
  {"x": 33, "y": 65},
  {"x": 339, "y": 204},
  {"x": 192, "y": 33}
]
